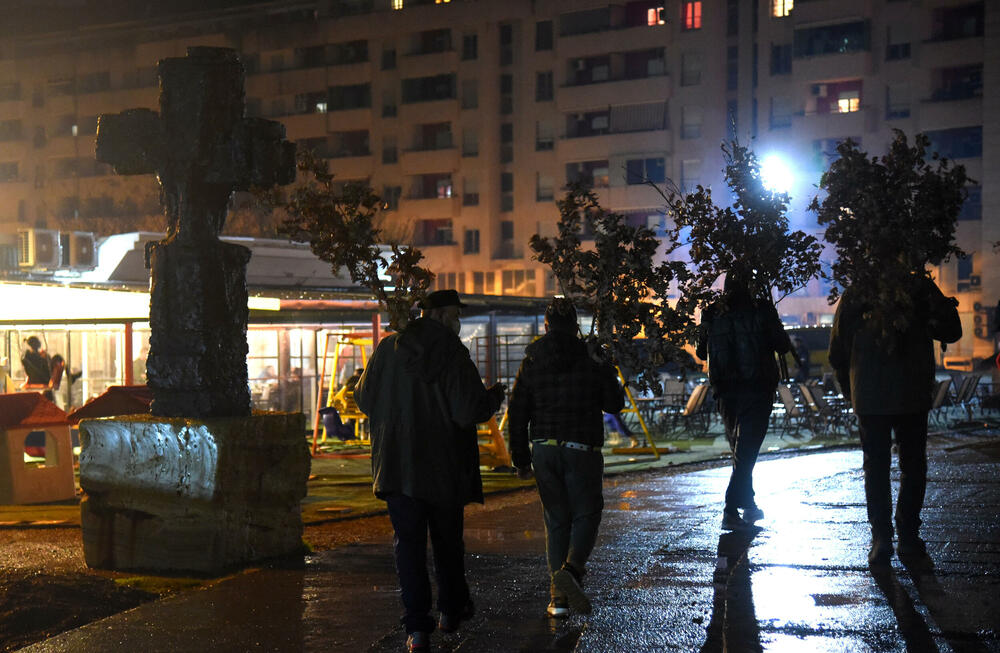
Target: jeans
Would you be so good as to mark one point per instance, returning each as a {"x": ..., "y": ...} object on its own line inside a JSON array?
[
  {"x": 745, "y": 416},
  {"x": 411, "y": 520},
  {"x": 876, "y": 442},
  {"x": 570, "y": 485}
]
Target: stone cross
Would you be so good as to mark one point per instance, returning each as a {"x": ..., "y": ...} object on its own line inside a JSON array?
[{"x": 202, "y": 148}]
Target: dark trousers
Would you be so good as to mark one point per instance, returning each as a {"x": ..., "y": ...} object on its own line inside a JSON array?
[
  {"x": 745, "y": 416},
  {"x": 876, "y": 442},
  {"x": 570, "y": 487},
  {"x": 412, "y": 519}
]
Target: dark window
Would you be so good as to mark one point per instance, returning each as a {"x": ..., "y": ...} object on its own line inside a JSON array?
[
  {"x": 961, "y": 22},
  {"x": 471, "y": 245},
  {"x": 312, "y": 56},
  {"x": 958, "y": 83},
  {"x": 470, "y": 47},
  {"x": 506, "y": 229},
  {"x": 732, "y": 67},
  {"x": 832, "y": 39},
  {"x": 434, "y": 40},
  {"x": 347, "y": 53},
  {"x": 584, "y": 22},
  {"x": 390, "y": 197},
  {"x": 732, "y": 17},
  {"x": 543, "y": 35},
  {"x": 388, "y": 59},
  {"x": 589, "y": 70},
  {"x": 8, "y": 171},
  {"x": 94, "y": 82},
  {"x": 11, "y": 91},
  {"x": 644, "y": 63},
  {"x": 10, "y": 130},
  {"x": 425, "y": 89},
  {"x": 957, "y": 143},
  {"x": 349, "y": 144},
  {"x": 355, "y": 96},
  {"x": 594, "y": 123},
  {"x": 732, "y": 112},
  {"x": 972, "y": 209},
  {"x": 434, "y": 232},
  {"x": 506, "y": 45},
  {"x": 594, "y": 173},
  {"x": 543, "y": 86},
  {"x": 506, "y": 94},
  {"x": 506, "y": 191},
  {"x": 639, "y": 171},
  {"x": 781, "y": 59},
  {"x": 644, "y": 13}
]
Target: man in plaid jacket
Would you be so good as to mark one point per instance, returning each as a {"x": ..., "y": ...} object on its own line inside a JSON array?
[{"x": 557, "y": 404}]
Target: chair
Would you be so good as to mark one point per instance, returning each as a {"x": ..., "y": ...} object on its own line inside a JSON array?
[
  {"x": 966, "y": 394},
  {"x": 793, "y": 415},
  {"x": 940, "y": 401},
  {"x": 826, "y": 416},
  {"x": 696, "y": 416}
]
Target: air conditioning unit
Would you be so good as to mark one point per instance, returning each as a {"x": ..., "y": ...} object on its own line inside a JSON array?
[
  {"x": 819, "y": 90},
  {"x": 38, "y": 249},
  {"x": 79, "y": 250}
]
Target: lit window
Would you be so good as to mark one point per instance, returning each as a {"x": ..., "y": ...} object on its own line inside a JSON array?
[
  {"x": 782, "y": 8},
  {"x": 321, "y": 107},
  {"x": 848, "y": 102},
  {"x": 691, "y": 13},
  {"x": 441, "y": 2},
  {"x": 655, "y": 16},
  {"x": 397, "y": 4}
]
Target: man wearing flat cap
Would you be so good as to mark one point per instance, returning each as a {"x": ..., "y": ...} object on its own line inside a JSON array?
[{"x": 423, "y": 397}]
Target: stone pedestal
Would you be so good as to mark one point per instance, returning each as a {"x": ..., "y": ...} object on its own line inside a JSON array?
[{"x": 192, "y": 495}]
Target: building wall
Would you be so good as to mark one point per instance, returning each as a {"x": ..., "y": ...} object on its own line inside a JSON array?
[{"x": 509, "y": 150}]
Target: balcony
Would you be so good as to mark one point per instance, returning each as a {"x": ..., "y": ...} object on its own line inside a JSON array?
[
  {"x": 810, "y": 13},
  {"x": 815, "y": 126},
  {"x": 425, "y": 65},
  {"x": 945, "y": 54},
  {"x": 954, "y": 113},
  {"x": 431, "y": 208},
  {"x": 416, "y": 162},
  {"x": 358, "y": 166},
  {"x": 631, "y": 38},
  {"x": 429, "y": 111},
  {"x": 833, "y": 66},
  {"x": 592, "y": 148},
  {"x": 349, "y": 119},
  {"x": 621, "y": 91},
  {"x": 633, "y": 196},
  {"x": 304, "y": 125}
]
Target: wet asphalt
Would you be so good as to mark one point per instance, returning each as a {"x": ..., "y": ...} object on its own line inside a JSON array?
[{"x": 663, "y": 577}]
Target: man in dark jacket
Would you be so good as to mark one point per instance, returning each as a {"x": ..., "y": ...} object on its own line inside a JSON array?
[
  {"x": 557, "y": 403},
  {"x": 890, "y": 381},
  {"x": 423, "y": 397},
  {"x": 739, "y": 336}
]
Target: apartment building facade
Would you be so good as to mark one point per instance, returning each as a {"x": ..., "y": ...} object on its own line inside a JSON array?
[{"x": 469, "y": 117}]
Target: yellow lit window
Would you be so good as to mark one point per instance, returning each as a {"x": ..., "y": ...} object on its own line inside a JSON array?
[
  {"x": 691, "y": 13},
  {"x": 397, "y": 4},
  {"x": 781, "y": 8},
  {"x": 655, "y": 16},
  {"x": 848, "y": 103},
  {"x": 441, "y": 2}
]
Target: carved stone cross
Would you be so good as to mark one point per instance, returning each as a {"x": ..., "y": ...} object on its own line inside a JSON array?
[{"x": 201, "y": 148}]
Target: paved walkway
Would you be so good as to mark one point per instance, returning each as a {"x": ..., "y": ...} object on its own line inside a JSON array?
[{"x": 663, "y": 577}]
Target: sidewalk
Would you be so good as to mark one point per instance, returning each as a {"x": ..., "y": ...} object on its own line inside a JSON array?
[
  {"x": 341, "y": 488},
  {"x": 663, "y": 576}
]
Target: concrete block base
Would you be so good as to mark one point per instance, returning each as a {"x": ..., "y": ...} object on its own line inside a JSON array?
[{"x": 187, "y": 495}]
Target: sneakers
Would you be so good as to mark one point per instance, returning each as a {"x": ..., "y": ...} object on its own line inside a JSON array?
[
  {"x": 449, "y": 623},
  {"x": 567, "y": 582},
  {"x": 752, "y": 514},
  {"x": 731, "y": 521},
  {"x": 558, "y": 607},
  {"x": 418, "y": 641}
]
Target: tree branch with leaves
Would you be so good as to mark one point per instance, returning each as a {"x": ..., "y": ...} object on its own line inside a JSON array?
[
  {"x": 342, "y": 228},
  {"x": 619, "y": 283},
  {"x": 751, "y": 236},
  {"x": 889, "y": 217}
]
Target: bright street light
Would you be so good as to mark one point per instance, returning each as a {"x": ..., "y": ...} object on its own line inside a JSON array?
[{"x": 776, "y": 174}]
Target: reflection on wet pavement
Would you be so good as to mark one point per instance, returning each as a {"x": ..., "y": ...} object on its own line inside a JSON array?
[{"x": 663, "y": 577}]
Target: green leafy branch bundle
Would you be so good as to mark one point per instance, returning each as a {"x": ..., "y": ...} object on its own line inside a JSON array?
[
  {"x": 618, "y": 282},
  {"x": 889, "y": 217},
  {"x": 750, "y": 237}
]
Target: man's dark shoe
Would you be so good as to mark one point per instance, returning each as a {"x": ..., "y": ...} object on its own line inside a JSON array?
[
  {"x": 567, "y": 581},
  {"x": 418, "y": 641},
  {"x": 449, "y": 623},
  {"x": 880, "y": 555},
  {"x": 752, "y": 514},
  {"x": 731, "y": 521},
  {"x": 913, "y": 552}
]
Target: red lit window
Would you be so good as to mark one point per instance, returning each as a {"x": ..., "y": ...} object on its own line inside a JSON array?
[{"x": 691, "y": 13}]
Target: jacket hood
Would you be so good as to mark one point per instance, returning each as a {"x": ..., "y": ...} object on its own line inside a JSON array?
[
  {"x": 557, "y": 350},
  {"x": 427, "y": 347}
]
